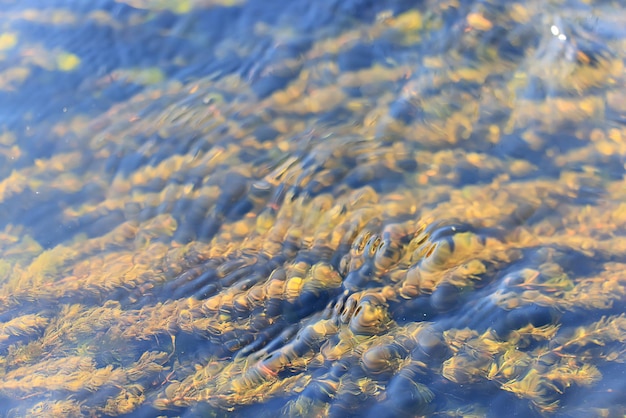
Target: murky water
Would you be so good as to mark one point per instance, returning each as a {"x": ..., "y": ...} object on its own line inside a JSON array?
[{"x": 330, "y": 208}]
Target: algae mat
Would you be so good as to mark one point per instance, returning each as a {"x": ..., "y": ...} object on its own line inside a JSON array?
[{"x": 354, "y": 208}]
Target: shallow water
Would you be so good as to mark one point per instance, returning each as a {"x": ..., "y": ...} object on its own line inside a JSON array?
[{"x": 333, "y": 208}]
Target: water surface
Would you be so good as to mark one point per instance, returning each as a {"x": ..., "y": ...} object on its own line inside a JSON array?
[{"x": 330, "y": 208}]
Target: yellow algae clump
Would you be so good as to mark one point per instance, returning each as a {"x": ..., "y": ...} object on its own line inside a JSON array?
[
  {"x": 176, "y": 6},
  {"x": 11, "y": 78},
  {"x": 7, "y": 40},
  {"x": 478, "y": 21},
  {"x": 408, "y": 24},
  {"x": 7, "y": 138},
  {"x": 519, "y": 13},
  {"x": 144, "y": 76},
  {"x": 67, "y": 61},
  {"x": 408, "y": 21}
]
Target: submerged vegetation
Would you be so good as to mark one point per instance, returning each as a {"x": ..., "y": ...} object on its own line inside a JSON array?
[{"x": 395, "y": 211}]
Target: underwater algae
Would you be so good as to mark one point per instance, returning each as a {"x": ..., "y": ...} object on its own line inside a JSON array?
[{"x": 434, "y": 231}]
